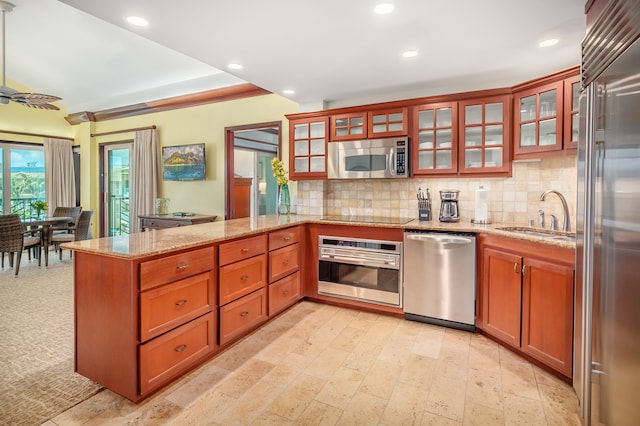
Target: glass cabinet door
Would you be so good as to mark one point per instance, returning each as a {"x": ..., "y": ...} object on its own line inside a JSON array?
[
  {"x": 387, "y": 123},
  {"x": 349, "y": 126},
  {"x": 484, "y": 135},
  {"x": 435, "y": 136},
  {"x": 539, "y": 119},
  {"x": 309, "y": 146},
  {"x": 572, "y": 88}
]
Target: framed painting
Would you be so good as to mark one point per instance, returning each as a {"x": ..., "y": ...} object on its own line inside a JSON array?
[{"x": 183, "y": 162}]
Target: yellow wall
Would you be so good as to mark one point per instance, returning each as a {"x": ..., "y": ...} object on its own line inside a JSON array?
[{"x": 201, "y": 124}]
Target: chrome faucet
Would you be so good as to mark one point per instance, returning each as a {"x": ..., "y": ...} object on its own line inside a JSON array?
[{"x": 565, "y": 209}]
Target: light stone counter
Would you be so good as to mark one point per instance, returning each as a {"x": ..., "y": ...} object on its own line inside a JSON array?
[{"x": 155, "y": 242}]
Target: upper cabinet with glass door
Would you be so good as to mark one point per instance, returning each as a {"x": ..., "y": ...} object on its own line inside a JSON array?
[
  {"x": 435, "y": 139},
  {"x": 539, "y": 115},
  {"x": 345, "y": 127},
  {"x": 571, "y": 120},
  {"x": 308, "y": 148},
  {"x": 546, "y": 115},
  {"x": 388, "y": 122},
  {"x": 484, "y": 133}
]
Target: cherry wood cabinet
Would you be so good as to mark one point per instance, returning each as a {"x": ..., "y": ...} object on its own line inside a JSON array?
[
  {"x": 308, "y": 148},
  {"x": 435, "y": 139},
  {"x": 546, "y": 115},
  {"x": 369, "y": 124},
  {"x": 350, "y": 126},
  {"x": 285, "y": 257},
  {"x": 242, "y": 286},
  {"x": 140, "y": 323},
  {"x": 485, "y": 135},
  {"x": 572, "y": 87},
  {"x": 388, "y": 122},
  {"x": 501, "y": 295},
  {"x": 526, "y": 299},
  {"x": 539, "y": 116}
]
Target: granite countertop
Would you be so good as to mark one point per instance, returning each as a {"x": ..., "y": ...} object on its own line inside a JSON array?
[{"x": 155, "y": 242}]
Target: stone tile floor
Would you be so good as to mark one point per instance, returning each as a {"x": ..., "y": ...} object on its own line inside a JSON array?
[{"x": 323, "y": 365}]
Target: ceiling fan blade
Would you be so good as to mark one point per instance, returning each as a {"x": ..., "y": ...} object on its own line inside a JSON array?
[{"x": 34, "y": 98}]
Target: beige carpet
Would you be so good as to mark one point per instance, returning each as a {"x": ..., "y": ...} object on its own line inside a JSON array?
[{"x": 37, "y": 380}]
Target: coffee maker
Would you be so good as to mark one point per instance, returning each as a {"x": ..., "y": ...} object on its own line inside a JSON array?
[{"x": 449, "y": 205}]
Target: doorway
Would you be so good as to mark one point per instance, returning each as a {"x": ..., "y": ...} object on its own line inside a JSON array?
[
  {"x": 114, "y": 189},
  {"x": 251, "y": 188}
]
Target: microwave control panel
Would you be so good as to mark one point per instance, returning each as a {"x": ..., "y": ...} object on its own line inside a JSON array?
[{"x": 401, "y": 162}]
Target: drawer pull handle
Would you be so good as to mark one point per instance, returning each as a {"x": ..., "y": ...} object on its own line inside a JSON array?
[
  {"x": 244, "y": 314},
  {"x": 515, "y": 268},
  {"x": 181, "y": 303},
  {"x": 244, "y": 249},
  {"x": 286, "y": 237},
  {"x": 181, "y": 348},
  {"x": 183, "y": 266},
  {"x": 285, "y": 292},
  {"x": 285, "y": 262},
  {"x": 524, "y": 269},
  {"x": 244, "y": 277}
]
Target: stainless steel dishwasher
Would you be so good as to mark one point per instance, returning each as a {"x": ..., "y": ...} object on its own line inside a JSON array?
[{"x": 440, "y": 278}]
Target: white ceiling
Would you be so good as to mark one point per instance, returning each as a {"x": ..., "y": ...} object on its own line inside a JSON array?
[{"x": 331, "y": 52}]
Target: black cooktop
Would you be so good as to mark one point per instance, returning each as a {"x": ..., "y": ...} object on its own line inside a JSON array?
[{"x": 369, "y": 219}]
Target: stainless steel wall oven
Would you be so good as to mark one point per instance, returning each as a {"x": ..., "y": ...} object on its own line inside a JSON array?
[{"x": 359, "y": 269}]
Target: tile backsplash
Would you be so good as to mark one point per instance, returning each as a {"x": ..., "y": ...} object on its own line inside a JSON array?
[{"x": 514, "y": 200}]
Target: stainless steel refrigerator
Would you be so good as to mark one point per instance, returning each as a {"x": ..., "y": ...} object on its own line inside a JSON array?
[{"x": 607, "y": 332}]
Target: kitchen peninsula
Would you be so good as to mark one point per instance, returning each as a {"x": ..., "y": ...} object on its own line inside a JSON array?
[{"x": 153, "y": 305}]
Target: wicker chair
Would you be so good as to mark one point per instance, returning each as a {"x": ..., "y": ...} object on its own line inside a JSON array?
[
  {"x": 14, "y": 240},
  {"x": 73, "y": 212},
  {"x": 82, "y": 231}
]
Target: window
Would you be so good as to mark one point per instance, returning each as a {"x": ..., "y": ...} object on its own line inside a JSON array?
[{"x": 21, "y": 178}]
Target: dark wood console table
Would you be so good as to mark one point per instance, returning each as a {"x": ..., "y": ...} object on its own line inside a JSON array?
[{"x": 154, "y": 221}]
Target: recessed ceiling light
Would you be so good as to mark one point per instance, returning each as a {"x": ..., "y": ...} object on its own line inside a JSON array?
[
  {"x": 235, "y": 66},
  {"x": 384, "y": 8},
  {"x": 289, "y": 91},
  {"x": 410, "y": 54},
  {"x": 137, "y": 21},
  {"x": 549, "y": 42}
]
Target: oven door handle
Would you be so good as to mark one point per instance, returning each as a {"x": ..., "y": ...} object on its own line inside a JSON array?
[{"x": 362, "y": 260}]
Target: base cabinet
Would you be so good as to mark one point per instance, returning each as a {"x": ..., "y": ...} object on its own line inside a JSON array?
[
  {"x": 284, "y": 268},
  {"x": 527, "y": 299},
  {"x": 141, "y": 323}
]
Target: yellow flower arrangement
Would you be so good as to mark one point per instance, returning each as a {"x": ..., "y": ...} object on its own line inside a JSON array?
[{"x": 279, "y": 172}]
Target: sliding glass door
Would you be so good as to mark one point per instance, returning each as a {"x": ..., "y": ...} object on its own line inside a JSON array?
[
  {"x": 116, "y": 220},
  {"x": 21, "y": 178}
]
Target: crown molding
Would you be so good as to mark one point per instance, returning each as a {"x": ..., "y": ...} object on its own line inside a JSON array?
[{"x": 238, "y": 91}]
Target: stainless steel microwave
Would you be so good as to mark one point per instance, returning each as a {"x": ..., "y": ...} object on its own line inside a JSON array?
[{"x": 369, "y": 158}]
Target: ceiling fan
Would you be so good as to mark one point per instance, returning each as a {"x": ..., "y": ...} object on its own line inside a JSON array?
[{"x": 32, "y": 100}]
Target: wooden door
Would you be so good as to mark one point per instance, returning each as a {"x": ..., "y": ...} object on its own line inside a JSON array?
[
  {"x": 501, "y": 295},
  {"x": 547, "y": 313},
  {"x": 308, "y": 148}
]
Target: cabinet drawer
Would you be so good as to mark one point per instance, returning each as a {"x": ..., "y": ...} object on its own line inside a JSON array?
[
  {"x": 171, "y": 305},
  {"x": 167, "y": 356},
  {"x": 242, "y": 249},
  {"x": 283, "y": 261},
  {"x": 240, "y": 278},
  {"x": 242, "y": 315},
  {"x": 284, "y": 293},
  {"x": 284, "y": 237},
  {"x": 173, "y": 268},
  {"x": 161, "y": 223}
]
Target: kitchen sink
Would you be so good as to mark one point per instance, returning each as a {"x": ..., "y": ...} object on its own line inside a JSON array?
[{"x": 545, "y": 233}]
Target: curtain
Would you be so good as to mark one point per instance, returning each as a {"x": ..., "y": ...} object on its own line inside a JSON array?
[
  {"x": 144, "y": 179},
  {"x": 59, "y": 175}
]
